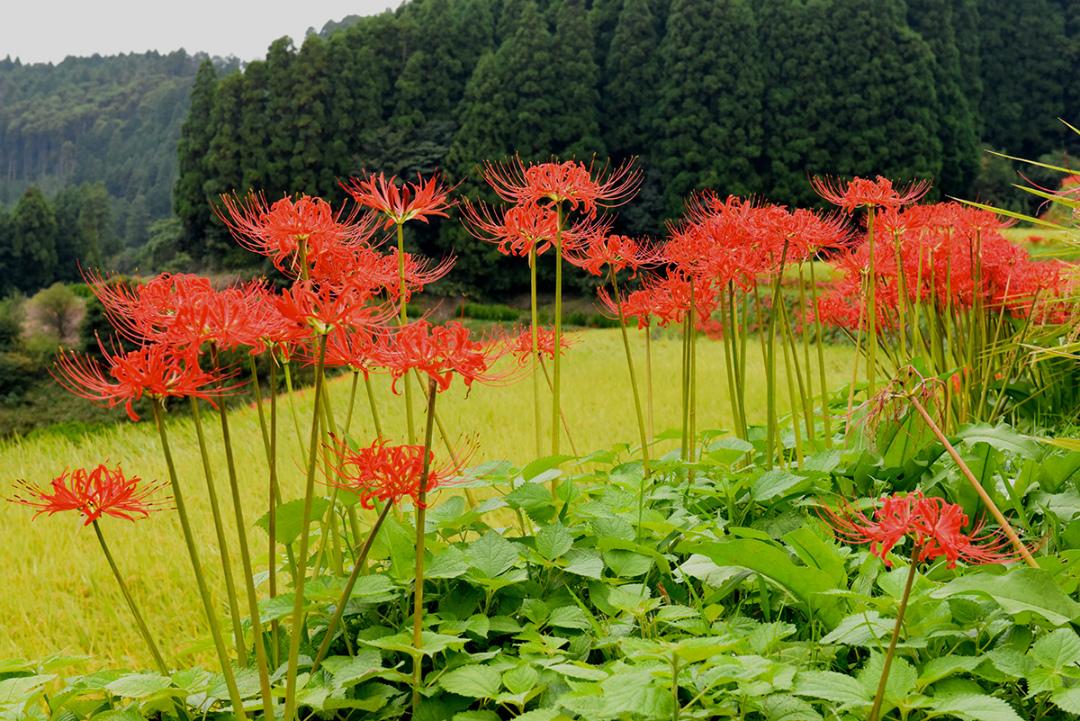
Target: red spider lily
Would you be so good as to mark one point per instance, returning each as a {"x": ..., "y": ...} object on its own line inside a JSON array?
[
  {"x": 363, "y": 268},
  {"x": 521, "y": 344},
  {"x": 362, "y": 349},
  {"x": 934, "y": 526},
  {"x": 667, "y": 298},
  {"x": 97, "y": 492},
  {"x": 281, "y": 230},
  {"x": 863, "y": 192},
  {"x": 322, "y": 307},
  {"x": 157, "y": 371},
  {"x": 442, "y": 352},
  {"x": 615, "y": 253},
  {"x": 637, "y": 305},
  {"x": 386, "y": 472},
  {"x": 426, "y": 198},
  {"x": 148, "y": 312},
  {"x": 522, "y": 229},
  {"x": 420, "y": 272},
  {"x": 571, "y": 181}
]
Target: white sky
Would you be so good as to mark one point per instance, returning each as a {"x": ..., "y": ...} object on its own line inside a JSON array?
[{"x": 44, "y": 31}]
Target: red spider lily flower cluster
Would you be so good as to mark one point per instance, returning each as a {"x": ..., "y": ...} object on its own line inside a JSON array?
[
  {"x": 524, "y": 229},
  {"x": 579, "y": 186},
  {"x": 95, "y": 492},
  {"x": 156, "y": 371},
  {"x": 934, "y": 526},
  {"x": 949, "y": 256},
  {"x": 442, "y": 352},
  {"x": 424, "y": 199},
  {"x": 613, "y": 253},
  {"x": 520, "y": 345},
  {"x": 387, "y": 473},
  {"x": 282, "y": 230},
  {"x": 863, "y": 192}
]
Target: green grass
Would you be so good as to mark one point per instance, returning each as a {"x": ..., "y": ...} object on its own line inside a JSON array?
[{"x": 60, "y": 598}]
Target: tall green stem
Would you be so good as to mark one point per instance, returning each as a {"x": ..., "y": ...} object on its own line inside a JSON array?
[
  {"x": 305, "y": 537},
  {"x": 875, "y": 710},
  {"x": 219, "y": 531},
  {"x": 871, "y": 305},
  {"x": 772, "y": 431},
  {"x": 418, "y": 589},
  {"x": 633, "y": 377},
  {"x": 556, "y": 372},
  {"x": 352, "y": 401},
  {"x": 339, "y": 610},
  {"x": 249, "y": 574},
  {"x": 826, "y": 414},
  {"x": 200, "y": 581},
  {"x": 648, "y": 380},
  {"x": 144, "y": 630},
  {"x": 403, "y": 320},
  {"x": 534, "y": 327},
  {"x": 374, "y": 408}
]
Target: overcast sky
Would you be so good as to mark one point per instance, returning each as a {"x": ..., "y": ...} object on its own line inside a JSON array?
[{"x": 43, "y": 31}]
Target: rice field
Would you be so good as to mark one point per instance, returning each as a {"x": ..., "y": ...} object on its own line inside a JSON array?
[{"x": 61, "y": 599}]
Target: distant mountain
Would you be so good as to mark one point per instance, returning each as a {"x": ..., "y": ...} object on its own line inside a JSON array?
[{"x": 112, "y": 119}]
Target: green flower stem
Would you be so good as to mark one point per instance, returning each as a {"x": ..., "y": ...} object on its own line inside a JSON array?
[
  {"x": 292, "y": 406},
  {"x": 445, "y": 437},
  {"x": 648, "y": 381},
  {"x": 729, "y": 367},
  {"x": 200, "y": 580},
  {"x": 772, "y": 430},
  {"x": 259, "y": 403},
  {"x": 875, "y": 710},
  {"x": 557, "y": 363},
  {"x": 273, "y": 501},
  {"x": 793, "y": 398},
  {"x": 418, "y": 590},
  {"x": 403, "y": 319},
  {"x": 692, "y": 390},
  {"x": 352, "y": 402},
  {"x": 339, "y": 610},
  {"x": 685, "y": 381},
  {"x": 249, "y": 574},
  {"x": 534, "y": 327},
  {"x": 219, "y": 530},
  {"x": 633, "y": 377},
  {"x": 792, "y": 366},
  {"x": 373, "y": 406},
  {"x": 826, "y": 415},
  {"x": 144, "y": 630},
  {"x": 808, "y": 393},
  {"x": 871, "y": 316},
  {"x": 305, "y": 537},
  {"x": 562, "y": 416}
]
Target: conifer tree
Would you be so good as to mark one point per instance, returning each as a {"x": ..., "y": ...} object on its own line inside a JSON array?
[
  {"x": 708, "y": 125},
  {"x": 189, "y": 197},
  {"x": 574, "y": 81},
  {"x": 33, "y": 241}
]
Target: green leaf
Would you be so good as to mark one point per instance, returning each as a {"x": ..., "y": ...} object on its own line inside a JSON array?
[
  {"x": 534, "y": 499},
  {"x": 22, "y": 688},
  {"x": 491, "y": 554},
  {"x": 775, "y": 484},
  {"x": 138, "y": 685},
  {"x": 1067, "y": 699},
  {"x": 553, "y": 541},
  {"x": 349, "y": 671},
  {"x": 767, "y": 560},
  {"x": 1017, "y": 591},
  {"x": 431, "y": 643},
  {"x": 541, "y": 465},
  {"x": 976, "y": 707},
  {"x": 1057, "y": 649},
  {"x": 944, "y": 666},
  {"x": 860, "y": 629},
  {"x": 781, "y": 707},
  {"x": 290, "y": 518},
  {"x": 520, "y": 679},
  {"x": 1002, "y": 437},
  {"x": 473, "y": 681},
  {"x": 448, "y": 563},
  {"x": 569, "y": 617},
  {"x": 813, "y": 550},
  {"x": 583, "y": 562},
  {"x": 627, "y": 564},
  {"x": 901, "y": 683},
  {"x": 831, "y": 686}
]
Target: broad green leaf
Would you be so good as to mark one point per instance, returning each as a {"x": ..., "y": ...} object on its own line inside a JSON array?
[
  {"x": 520, "y": 679},
  {"x": 540, "y": 465},
  {"x": 1067, "y": 699},
  {"x": 776, "y": 484},
  {"x": 475, "y": 716},
  {"x": 1002, "y": 437},
  {"x": 448, "y": 563},
  {"x": 860, "y": 629},
  {"x": 813, "y": 550},
  {"x": 944, "y": 666},
  {"x": 553, "y": 541},
  {"x": 491, "y": 554},
  {"x": 568, "y": 617},
  {"x": 627, "y": 564},
  {"x": 802, "y": 582},
  {"x": 138, "y": 685},
  {"x": 902, "y": 678},
  {"x": 432, "y": 643},
  {"x": 781, "y": 707},
  {"x": 1057, "y": 649},
  {"x": 1017, "y": 591},
  {"x": 290, "y": 518},
  {"x": 542, "y": 714},
  {"x": 20, "y": 689},
  {"x": 533, "y": 498},
  {"x": 583, "y": 562},
  {"x": 349, "y": 671},
  {"x": 831, "y": 686},
  {"x": 976, "y": 707},
  {"x": 473, "y": 681}
]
